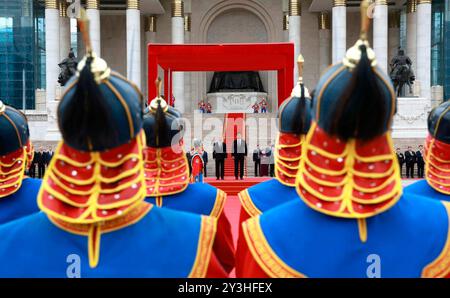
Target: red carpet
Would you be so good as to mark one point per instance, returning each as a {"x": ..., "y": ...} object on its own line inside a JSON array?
[
  {"x": 232, "y": 186},
  {"x": 234, "y": 123}
]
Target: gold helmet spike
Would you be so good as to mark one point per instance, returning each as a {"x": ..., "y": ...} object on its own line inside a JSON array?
[
  {"x": 353, "y": 54},
  {"x": 99, "y": 67},
  {"x": 296, "y": 92},
  {"x": 300, "y": 62},
  {"x": 158, "y": 100}
]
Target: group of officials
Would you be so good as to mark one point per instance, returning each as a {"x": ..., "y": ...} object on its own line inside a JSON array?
[
  {"x": 118, "y": 202},
  {"x": 40, "y": 162},
  {"x": 410, "y": 158}
]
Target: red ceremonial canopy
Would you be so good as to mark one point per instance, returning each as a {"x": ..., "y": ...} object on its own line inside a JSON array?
[{"x": 222, "y": 57}]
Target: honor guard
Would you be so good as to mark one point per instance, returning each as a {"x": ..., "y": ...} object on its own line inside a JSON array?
[
  {"x": 92, "y": 196},
  {"x": 437, "y": 157},
  {"x": 167, "y": 176},
  {"x": 293, "y": 123},
  {"x": 351, "y": 219},
  {"x": 18, "y": 192}
]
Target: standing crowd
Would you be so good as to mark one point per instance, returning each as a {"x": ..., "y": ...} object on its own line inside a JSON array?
[
  {"x": 40, "y": 162},
  {"x": 411, "y": 159}
]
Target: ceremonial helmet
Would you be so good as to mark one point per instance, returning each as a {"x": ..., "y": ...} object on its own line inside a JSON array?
[
  {"x": 294, "y": 119},
  {"x": 166, "y": 166},
  {"x": 348, "y": 167},
  {"x": 96, "y": 174},
  {"x": 437, "y": 149},
  {"x": 16, "y": 151}
]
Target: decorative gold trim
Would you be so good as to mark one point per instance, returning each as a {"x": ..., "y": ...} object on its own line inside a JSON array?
[
  {"x": 150, "y": 23},
  {"x": 51, "y": 4},
  {"x": 177, "y": 8},
  {"x": 187, "y": 22},
  {"x": 94, "y": 231},
  {"x": 285, "y": 22},
  {"x": 263, "y": 254},
  {"x": 324, "y": 20},
  {"x": 394, "y": 19},
  {"x": 92, "y": 4},
  {"x": 221, "y": 199},
  {"x": 440, "y": 267},
  {"x": 62, "y": 8},
  {"x": 423, "y": 2},
  {"x": 204, "y": 250},
  {"x": 337, "y": 3},
  {"x": 362, "y": 229},
  {"x": 295, "y": 8},
  {"x": 411, "y": 6},
  {"x": 133, "y": 4},
  {"x": 247, "y": 204}
]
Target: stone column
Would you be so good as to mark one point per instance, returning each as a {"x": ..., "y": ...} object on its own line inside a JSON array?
[
  {"x": 178, "y": 38},
  {"x": 134, "y": 42},
  {"x": 51, "y": 65},
  {"x": 285, "y": 27},
  {"x": 423, "y": 72},
  {"x": 295, "y": 11},
  {"x": 64, "y": 31},
  {"x": 394, "y": 34},
  {"x": 339, "y": 30},
  {"x": 187, "y": 76},
  {"x": 51, "y": 48},
  {"x": 324, "y": 40},
  {"x": 150, "y": 37},
  {"x": 93, "y": 13},
  {"x": 380, "y": 33},
  {"x": 411, "y": 32}
]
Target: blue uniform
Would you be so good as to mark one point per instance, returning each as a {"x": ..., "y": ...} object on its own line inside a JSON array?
[
  {"x": 265, "y": 196},
  {"x": 21, "y": 203},
  {"x": 35, "y": 247},
  {"x": 422, "y": 188},
  {"x": 408, "y": 240},
  {"x": 196, "y": 198}
]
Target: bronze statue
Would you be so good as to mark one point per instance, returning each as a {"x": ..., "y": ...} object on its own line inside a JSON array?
[
  {"x": 68, "y": 68},
  {"x": 401, "y": 72}
]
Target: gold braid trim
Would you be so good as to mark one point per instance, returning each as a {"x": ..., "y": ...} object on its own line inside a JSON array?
[
  {"x": 247, "y": 203},
  {"x": 441, "y": 266},
  {"x": 221, "y": 198},
  {"x": 204, "y": 250},
  {"x": 263, "y": 254}
]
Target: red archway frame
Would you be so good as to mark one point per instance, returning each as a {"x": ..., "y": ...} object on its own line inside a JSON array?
[{"x": 222, "y": 57}]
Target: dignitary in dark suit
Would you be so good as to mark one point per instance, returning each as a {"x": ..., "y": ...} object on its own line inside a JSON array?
[
  {"x": 401, "y": 160},
  {"x": 272, "y": 161},
  {"x": 239, "y": 154},
  {"x": 410, "y": 160},
  {"x": 257, "y": 160},
  {"x": 189, "y": 159},
  {"x": 219, "y": 156},
  {"x": 420, "y": 162},
  {"x": 40, "y": 160},
  {"x": 205, "y": 162}
]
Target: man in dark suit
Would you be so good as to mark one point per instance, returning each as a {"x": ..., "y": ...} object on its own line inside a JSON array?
[
  {"x": 33, "y": 165},
  {"x": 420, "y": 162},
  {"x": 189, "y": 160},
  {"x": 40, "y": 160},
  {"x": 205, "y": 162},
  {"x": 410, "y": 160},
  {"x": 401, "y": 160},
  {"x": 219, "y": 156},
  {"x": 257, "y": 160},
  {"x": 239, "y": 154}
]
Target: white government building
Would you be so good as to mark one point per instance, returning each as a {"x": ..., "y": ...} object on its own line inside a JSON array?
[{"x": 321, "y": 30}]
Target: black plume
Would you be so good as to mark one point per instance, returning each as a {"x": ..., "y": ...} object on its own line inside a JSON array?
[
  {"x": 84, "y": 120},
  {"x": 161, "y": 126},
  {"x": 361, "y": 111}
]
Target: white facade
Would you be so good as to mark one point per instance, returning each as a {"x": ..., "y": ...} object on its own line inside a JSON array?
[{"x": 121, "y": 39}]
